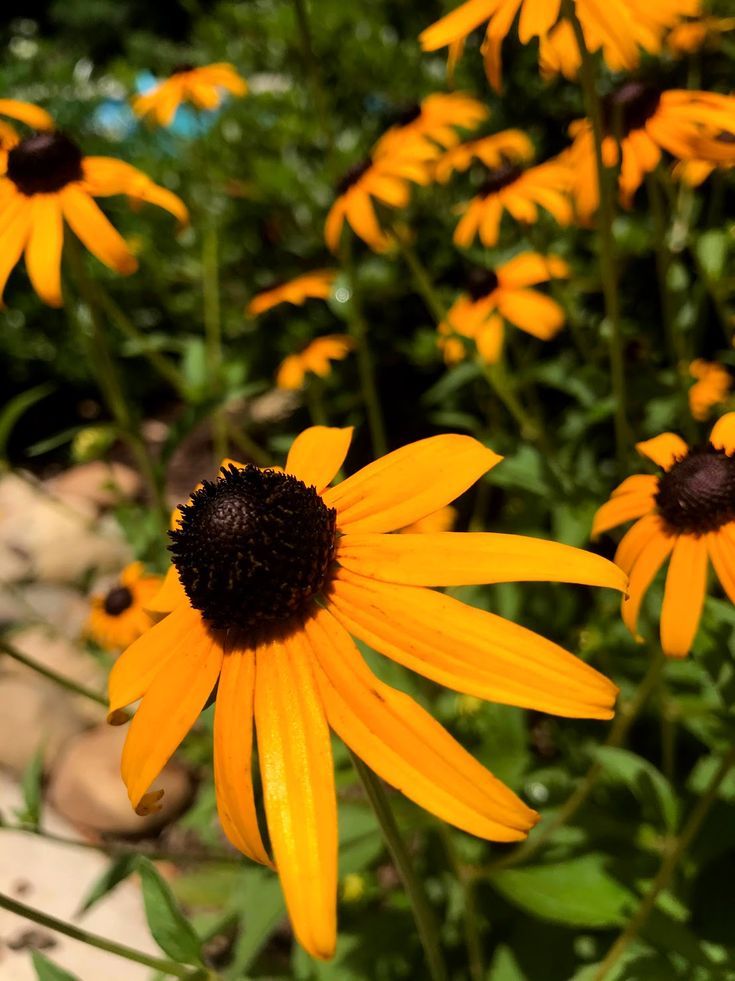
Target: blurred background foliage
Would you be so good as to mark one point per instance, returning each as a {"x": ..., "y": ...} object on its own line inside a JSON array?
[{"x": 262, "y": 171}]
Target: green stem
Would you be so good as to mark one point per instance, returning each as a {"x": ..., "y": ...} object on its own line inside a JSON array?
[
  {"x": 101, "y": 943},
  {"x": 213, "y": 331},
  {"x": 625, "y": 717},
  {"x": 608, "y": 260},
  {"x": 426, "y": 924},
  {"x": 672, "y": 856},
  {"x": 473, "y": 941},
  {"x": 365, "y": 364},
  {"x": 58, "y": 679}
]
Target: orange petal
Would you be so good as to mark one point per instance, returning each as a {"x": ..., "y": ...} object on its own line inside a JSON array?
[
  {"x": 722, "y": 553},
  {"x": 43, "y": 251},
  {"x": 91, "y": 226},
  {"x": 664, "y": 450},
  {"x": 406, "y": 746},
  {"x": 641, "y": 483},
  {"x": 298, "y": 789},
  {"x": 642, "y": 575},
  {"x": 723, "y": 433},
  {"x": 169, "y": 709},
  {"x": 409, "y": 483},
  {"x": 317, "y": 454},
  {"x": 469, "y": 650},
  {"x": 635, "y": 540},
  {"x": 618, "y": 510},
  {"x": 457, "y": 24},
  {"x": 686, "y": 582},
  {"x": 171, "y": 594},
  {"x": 26, "y": 112},
  {"x": 233, "y": 745},
  {"x": 466, "y": 558}
]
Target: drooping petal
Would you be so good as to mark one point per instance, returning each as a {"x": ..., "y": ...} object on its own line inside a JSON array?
[
  {"x": 686, "y": 582},
  {"x": 170, "y": 708},
  {"x": 317, "y": 454},
  {"x": 723, "y": 433},
  {"x": 664, "y": 450},
  {"x": 233, "y": 745},
  {"x": 466, "y": 558},
  {"x": 298, "y": 789},
  {"x": 409, "y": 483},
  {"x": 642, "y": 575},
  {"x": 618, "y": 510},
  {"x": 469, "y": 650},
  {"x": 43, "y": 250},
  {"x": 722, "y": 553},
  {"x": 95, "y": 231},
  {"x": 405, "y": 745}
]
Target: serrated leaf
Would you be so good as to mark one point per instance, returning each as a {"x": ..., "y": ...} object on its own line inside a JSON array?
[
  {"x": 578, "y": 892},
  {"x": 643, "y": 780},
  {"x": 116, "y": 872},
  {"x": 169, "y": 927},
  {"x": 46, "y": 970}
]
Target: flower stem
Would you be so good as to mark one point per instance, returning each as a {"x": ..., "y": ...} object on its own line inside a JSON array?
[
  {"x": 161, "y": 964},
  {"x": 608, "y": 260},
  {"x": 426, "y": 924},
  {"x": 59, "y": 679},
  {"x": 625, "y": 717},
  {"x": 672, "y": 856}
]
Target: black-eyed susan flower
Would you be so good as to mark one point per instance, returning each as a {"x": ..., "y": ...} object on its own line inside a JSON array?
[
  {"x": 315, "y": 285},
  {"x": 690, "y": 36},
  {"x": 508, "y": 146},
  {"x": 686, "y": 512},
  {"x": 646, "y": 121},
  {"x": 495, "y": 296},
  {"x": 711, "y": 388},
  {"x": 509, "y": 187},
  {"x": 47, "y": 182},
  {"x": 273, "y": 574},
  {"x": 203, "y": 87},
  {"x": 385, "y": 177},
  {"x": 316, "y": 358},
  {"x": 619, "y": 28},
  {"x": 120, "y": 616},
  {"x": 434, "y": 123}
]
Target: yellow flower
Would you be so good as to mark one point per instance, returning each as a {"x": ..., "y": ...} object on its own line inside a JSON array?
[
  {"x": 433, "y": 123},
  {"x": 315, "y": 358},
  {"x": 503, "y": 294},
  {"x": 508, "y": 187},
  {"x": 686, "y": 124},
  {"x": 273, "y": 573},
  {"x": 203, "y": 87},
  {"x": 712, "y": 387},
  {"x": 686, "y": 512},
  {"x": 120, "y": 616},
  {"x": 688, "y": 37},
  {"x": 47, "y": 182},
  {"x": 508, "y": 146},
  {"x": 618, "y": 27},
  {"x": 312, "y": 285}
]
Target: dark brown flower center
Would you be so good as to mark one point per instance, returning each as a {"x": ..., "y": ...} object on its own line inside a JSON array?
[
  {"x": 118, "y": 600},
  {"x": 481, "y": 282},
  {"x": 697, "y": 494},
  {"x": 44, "y": 163},
  {"x": 629, "y": 107},
  {"x": 499, "y": 177},
  {"x": 353, "y": 175},
  {"x": 254, "y": 547}
]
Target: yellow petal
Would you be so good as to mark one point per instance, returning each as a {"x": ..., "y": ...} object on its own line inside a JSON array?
[
  {"x": 723, "y": 433},
  {"x": 664, "y": 450},
  {"x": 465, "y": 558},
  {"x": 317, "y": 454},
  {"x": 635, "y": 540},
  {"x": 27, "y": 113},
  {"x": 91, "y": 226},
  {"x": 640, "y": 483},
  {"x": 409, "y": 483},
  {"x": 407, "y": 747},
  {"x": 457, "y": 24},
  {"x": 43, "y": 251},
  {"x": 298, "y": 789},
  {"x": 642, "y": 575},
  {"x": 722, "y": 554},
  {"x": 171, "y": 594},
  {"x": 233, "y": 745},
  {"x": 469, "y": 650},
  {"x": 169, "y": 709},
  {"x": 618, "y": 510},
  {"x": 686, "y": 582}
]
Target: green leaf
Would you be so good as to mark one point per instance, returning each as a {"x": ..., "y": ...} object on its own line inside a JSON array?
[
  {"x": 14, "y": 409},
  {"x": 643, "y": 780},
  {"x": 504, "y": 966},
  {"x": 262, "y": 910},
  {"x": 46, "y": 970},
  {"x": 117, "y": 871},
  {"x": 169, "y": 927},
  {"x": 712, "y": 251},
  {"x": 578, "y": 892},
  {"x": 32, "y": 787}
]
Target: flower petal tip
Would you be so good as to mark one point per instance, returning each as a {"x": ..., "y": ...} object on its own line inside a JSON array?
[
  {"x": 149, "y": 803},
  {"x": 117, "y": 717}
]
